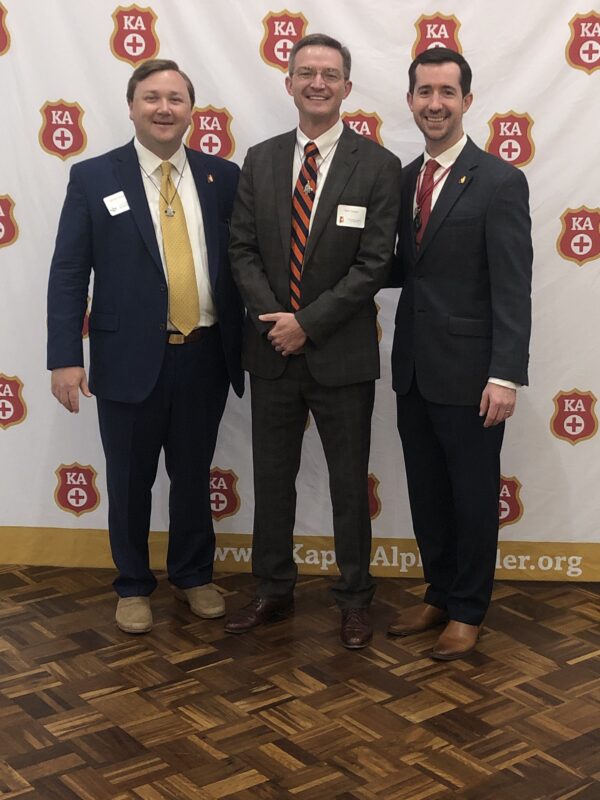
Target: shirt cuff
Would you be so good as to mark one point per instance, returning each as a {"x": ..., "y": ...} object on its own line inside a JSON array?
[{"x": 508, "y": 384}]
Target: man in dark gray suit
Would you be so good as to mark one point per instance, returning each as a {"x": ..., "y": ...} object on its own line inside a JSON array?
[
  {"x": 460, "y": 347},
  {"x": 312, "y": 237}
]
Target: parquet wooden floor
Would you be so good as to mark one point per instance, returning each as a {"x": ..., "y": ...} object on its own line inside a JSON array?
[{"x": 188, "y": 712}]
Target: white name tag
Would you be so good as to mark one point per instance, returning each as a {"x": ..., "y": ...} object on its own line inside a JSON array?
[
  {"x": 351, "y": 216},
  {"x": 116, "y": 203}
]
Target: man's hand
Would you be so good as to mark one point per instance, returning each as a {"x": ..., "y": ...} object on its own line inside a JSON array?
[
  {"x": 286, "y": 335},
  {"x": 66, "y": 383},
  {"x": 497, "y": 404}
]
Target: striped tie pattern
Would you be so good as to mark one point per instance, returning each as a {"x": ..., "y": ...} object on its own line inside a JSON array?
[
  {"x": 302, "y": 203},
  {"x": 184, "y": 303}
]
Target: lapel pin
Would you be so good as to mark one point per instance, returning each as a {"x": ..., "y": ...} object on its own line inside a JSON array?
[
  {"x": 210, "y": 178},
  {"x": 463, "y": 179}
]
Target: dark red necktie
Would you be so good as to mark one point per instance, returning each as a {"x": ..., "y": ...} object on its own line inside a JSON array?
[
  {"x": 302, "y": 203},
  {"x": 423, "y": 200}
]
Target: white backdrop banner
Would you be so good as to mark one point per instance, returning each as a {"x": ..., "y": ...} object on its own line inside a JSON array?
[{"x": 64, "y": 65}]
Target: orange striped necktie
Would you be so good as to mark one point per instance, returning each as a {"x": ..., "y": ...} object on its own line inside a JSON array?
[{"x": 302, "y": 203}]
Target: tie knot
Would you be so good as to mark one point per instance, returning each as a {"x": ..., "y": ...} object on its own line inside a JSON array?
[
  {"x": 165, "y": 168},
  {"x": 311, "y": 150},
  {"x": 430, "y": 167}
]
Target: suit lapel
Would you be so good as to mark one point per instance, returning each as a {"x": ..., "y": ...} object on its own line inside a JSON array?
[
  {"x": 283, "y": 165},
  {"x": 205, "y": 188},
  {"x": 342, "y": 166},
  {"x": 457, "y": 181},
  {"x": 409, "y": 186},
  {"x": 130, "y": 178}
]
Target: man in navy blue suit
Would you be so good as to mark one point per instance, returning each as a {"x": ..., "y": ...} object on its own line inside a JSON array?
[
  {"x": 159, "y": 383},
  {"x": 461, "y": 347}
]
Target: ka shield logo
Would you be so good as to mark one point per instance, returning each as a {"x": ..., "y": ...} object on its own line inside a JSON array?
[
  {"x": 510, "y": 138},
  {"x": 210, "y": 132},
  {"x": 62, "y": 133},
  {"x": 579, "y": 238},
  {"x": 365, "y": 123},
  {"x": 574, "y": 418},
  {"x": 12, "y": 406},
  {"x": 4, "y": 34},
  {"x": 510, "y": 506},
  {"x": 224, "y": 497},
  {"x": 9, "y": 230},
  {"x": 134, "y": 38},
  {"x": 282, "y": 29},
  {"x": 76, "y": 490},
  {"x": 437, "y": 30},
  {"x": 583, "y": 48},
  {"x": 374, "y": 499}
]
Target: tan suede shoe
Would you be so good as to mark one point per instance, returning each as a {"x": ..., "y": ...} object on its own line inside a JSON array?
[
  {"x": 457, "y": 640},
  {"x": 204, "y": 601},
  {"x": 417, "y": 619},
  {"x": 134, "y": 614}
]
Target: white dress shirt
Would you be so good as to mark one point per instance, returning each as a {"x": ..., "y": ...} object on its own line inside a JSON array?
[
  {"x": 183, "y": 180},
  {"x": 327, "y": 143},
  {"x": 446, "y": 160}
]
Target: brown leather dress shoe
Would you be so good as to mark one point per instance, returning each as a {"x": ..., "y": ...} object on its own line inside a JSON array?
[
  {"x": 356, "y": 631},
  {"x": 259, "y": 611},
  {"x": 412, "y": 621},
  {"x": 457, "y": 640}
]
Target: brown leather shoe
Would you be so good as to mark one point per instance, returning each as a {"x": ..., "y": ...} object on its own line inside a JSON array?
[
  {"x": 457, "y": 640},
  {"x": 259, "y": 611},
  {"x": 413, "y": 620},
  {"x": 356, "y": 631}
]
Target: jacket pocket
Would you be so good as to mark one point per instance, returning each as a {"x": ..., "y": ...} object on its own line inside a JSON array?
[
  {"x": 466, "y": 326},
  {"x": 102, "y": 321}
]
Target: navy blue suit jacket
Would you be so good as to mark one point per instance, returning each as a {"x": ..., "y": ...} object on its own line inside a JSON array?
[
  {"x": 465, "y": 309},
  {"x": 130, "y": 297}
]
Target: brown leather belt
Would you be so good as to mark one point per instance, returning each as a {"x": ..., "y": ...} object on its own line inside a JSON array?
[{"x": 178, "y": 338}]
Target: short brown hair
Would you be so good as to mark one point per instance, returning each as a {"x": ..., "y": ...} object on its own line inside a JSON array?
[
  {"x": 157, "y": 65},
  {"x": 441, "y": 55},
  {"x": 321, "y": 40}
]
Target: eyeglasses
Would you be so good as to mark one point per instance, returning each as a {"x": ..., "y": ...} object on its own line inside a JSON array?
[{"x": 310, "y": 73}]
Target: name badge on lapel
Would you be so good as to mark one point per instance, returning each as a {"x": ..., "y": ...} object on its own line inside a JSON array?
[
  {"x": 116, "y": 203},
  {"x": 351, "y": 216}
]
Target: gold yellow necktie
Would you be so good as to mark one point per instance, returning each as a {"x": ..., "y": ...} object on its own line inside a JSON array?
[{"x": 184, "y": 303}]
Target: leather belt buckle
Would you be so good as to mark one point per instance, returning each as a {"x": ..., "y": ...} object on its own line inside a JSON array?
[{"x": 174, "y": 337}]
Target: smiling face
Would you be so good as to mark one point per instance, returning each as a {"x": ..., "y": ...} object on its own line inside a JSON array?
[
  {"x": 318, "y": 101},
  {"x": 437, "y": 105},
  {"x": 161, "y": 112}
]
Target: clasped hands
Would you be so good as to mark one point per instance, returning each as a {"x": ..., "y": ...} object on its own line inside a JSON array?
[{"x": 287, "y": 335}]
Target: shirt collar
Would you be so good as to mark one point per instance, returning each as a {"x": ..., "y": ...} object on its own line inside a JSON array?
[
  {"x": 325, "y": 141},
  {"x": 449, "y": 156},
  {"x": 150, "y": 162}
]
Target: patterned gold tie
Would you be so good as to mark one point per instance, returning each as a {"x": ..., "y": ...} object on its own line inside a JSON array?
[{"x": 184, "y": 303}]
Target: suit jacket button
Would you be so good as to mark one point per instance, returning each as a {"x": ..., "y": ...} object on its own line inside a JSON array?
[
  {"x": 162, "y": 327},
  {"x": 163, "y": 287}
]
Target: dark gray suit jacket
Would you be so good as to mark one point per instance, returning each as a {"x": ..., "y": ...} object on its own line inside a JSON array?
[
  {"x": 464, "y": 313},
  {"x": 343, "y": 267}
]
